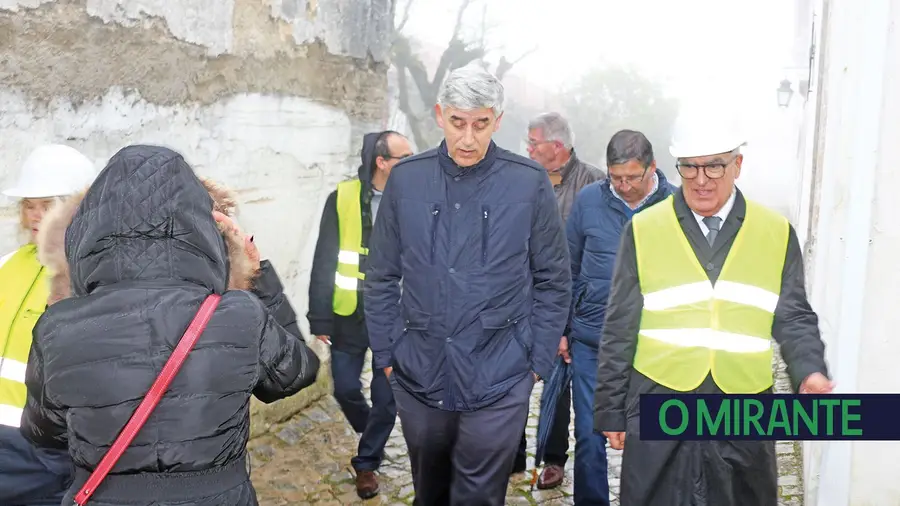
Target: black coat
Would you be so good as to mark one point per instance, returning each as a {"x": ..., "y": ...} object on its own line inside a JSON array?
[
  {"x": 144, "y": 252},
  {"x": 348, "y": 333},
  {"x": 696, "y": 473}
]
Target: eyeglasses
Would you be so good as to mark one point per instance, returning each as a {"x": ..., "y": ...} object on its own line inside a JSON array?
[
  {"x": 631, "y": 180},
  {"x": 401, "y": 157},
  {"x": 534, "y": 143},
  {"x": 712, "y": 170}
]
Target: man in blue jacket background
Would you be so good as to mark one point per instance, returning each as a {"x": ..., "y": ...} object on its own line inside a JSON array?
[
  {"x": 473, "y": 233},
  {"x": 593, "y": 229}
]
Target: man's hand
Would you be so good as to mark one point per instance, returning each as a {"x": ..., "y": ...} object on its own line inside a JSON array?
[
  {"x": 388, "y": 371},
  {"x": 616, "y": 440},
  {"x": 563, "y": 350},
  {"x": 325, "y": 339},
  {"x": 816, "y": 383},
  {"x": 536, "y": 377}
]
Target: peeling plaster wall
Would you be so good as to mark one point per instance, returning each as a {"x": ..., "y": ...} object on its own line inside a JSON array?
[{"x": 271, "y": 98}]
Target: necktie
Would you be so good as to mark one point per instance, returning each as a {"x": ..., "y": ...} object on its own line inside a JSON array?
[{"x": 712, "y": 223}]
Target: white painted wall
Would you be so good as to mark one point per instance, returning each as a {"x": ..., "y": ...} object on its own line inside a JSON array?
[
  {"x": 282, "y": 154},
  {"x": 853, "y": 277}
]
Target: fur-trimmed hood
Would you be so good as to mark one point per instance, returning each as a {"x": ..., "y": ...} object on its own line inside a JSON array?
[{"x": 51, "y": 242}]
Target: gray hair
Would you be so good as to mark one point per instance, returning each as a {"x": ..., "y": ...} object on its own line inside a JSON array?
[
  {"x": 627, "y": 145},
  {"x": 471, "y": 87},
  {"x": 554, "y": 127}
]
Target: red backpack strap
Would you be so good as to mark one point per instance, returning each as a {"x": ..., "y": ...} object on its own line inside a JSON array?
[{"x": 148, "y": 404}]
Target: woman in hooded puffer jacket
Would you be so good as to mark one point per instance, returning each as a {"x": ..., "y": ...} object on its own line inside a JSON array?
[{"x": 142, "y": 251}]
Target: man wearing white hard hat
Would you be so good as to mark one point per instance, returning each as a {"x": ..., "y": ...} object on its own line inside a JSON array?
[
  {"x": 31, "y": 476},
  {"x": 683, "y": 320}
]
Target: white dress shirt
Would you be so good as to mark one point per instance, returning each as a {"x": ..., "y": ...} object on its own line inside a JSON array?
[{"x": 723, "y": 214}]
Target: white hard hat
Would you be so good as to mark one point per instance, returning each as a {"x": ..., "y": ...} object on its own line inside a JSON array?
[
  {"x": 704, "y": 132},
  {"x": 52, "y": 170}
]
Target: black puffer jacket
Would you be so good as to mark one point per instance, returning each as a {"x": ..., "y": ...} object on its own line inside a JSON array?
[{"x": 144, "y": 252}]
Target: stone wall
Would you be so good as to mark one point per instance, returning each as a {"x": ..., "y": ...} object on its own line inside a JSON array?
[{"x": 269, "y": 97}]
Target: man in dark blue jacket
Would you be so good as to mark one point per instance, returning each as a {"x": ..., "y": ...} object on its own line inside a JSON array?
[
  {"x": 473, "y": 234},
  {"x": 594, "y": 227}
]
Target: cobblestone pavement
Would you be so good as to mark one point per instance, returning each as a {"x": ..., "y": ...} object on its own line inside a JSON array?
[{"x": 307, "y": 461}]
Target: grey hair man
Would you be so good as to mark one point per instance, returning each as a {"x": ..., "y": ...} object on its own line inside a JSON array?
[
  {"x": 711, "y": 236},
  {"x": 473, "y": 233},
  {"x": 551, "y": 143}
]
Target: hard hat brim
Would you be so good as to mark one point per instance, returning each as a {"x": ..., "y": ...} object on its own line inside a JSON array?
[
  {"x": 693, "y": 152},
  {"x": 21, "y": 193}
]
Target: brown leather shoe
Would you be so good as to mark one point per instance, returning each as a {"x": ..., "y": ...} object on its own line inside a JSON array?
[
  {"x": 366, "y": 484},
  {"x": 551, "y": 477}
]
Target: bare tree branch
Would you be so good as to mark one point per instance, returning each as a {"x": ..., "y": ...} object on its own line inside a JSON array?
[
  {"x": 459, "y": 18},
  {"x": 411, "y": 116},
  {"x": 504, "y": 65},
  {"x": 405, "y": 17}
]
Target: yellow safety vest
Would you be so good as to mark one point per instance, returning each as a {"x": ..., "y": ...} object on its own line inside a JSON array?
[
  {"x": 24, "y": 289},
  {"x": 346, "y": 279},
  {"x": 690, "y": 327}
]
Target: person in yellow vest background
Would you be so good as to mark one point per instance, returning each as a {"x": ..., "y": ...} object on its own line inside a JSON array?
[
  {"x": 31, "y": 476},
  {"x": 336, "y": 304},
  {"x": 682, "y": 319}
]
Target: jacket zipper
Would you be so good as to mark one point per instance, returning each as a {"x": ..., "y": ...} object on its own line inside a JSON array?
[
  {"x": 435, "y": 212},
  {"x": 485, "y": 229}
]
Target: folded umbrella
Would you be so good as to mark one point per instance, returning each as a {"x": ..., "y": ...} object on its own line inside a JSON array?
[{"x": 559, "y": 380}]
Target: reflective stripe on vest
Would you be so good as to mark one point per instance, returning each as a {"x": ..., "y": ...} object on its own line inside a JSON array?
[
  {"x": 347, "y": 276},
  {"x": 690, "y": 327},
  {"x": 24, "y": 291}
]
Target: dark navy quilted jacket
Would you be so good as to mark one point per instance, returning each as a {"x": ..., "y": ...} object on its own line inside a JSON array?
[{"x": 482, "y": 255}]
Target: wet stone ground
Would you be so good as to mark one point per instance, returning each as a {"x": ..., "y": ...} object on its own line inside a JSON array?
[{"x": 306, "y": 460}]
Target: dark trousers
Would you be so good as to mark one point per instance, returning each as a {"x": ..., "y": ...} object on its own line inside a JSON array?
[
  {"x": 31, "y": 476},
  {"x": 373, "y": 424},
  {"x": 463, "y": 458},
  {"x": 557, "y": 450}
]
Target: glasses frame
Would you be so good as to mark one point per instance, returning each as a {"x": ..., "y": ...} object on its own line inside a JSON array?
[
  {"x": 719, "y": 169},
  {"x": 628, "y": 179}
]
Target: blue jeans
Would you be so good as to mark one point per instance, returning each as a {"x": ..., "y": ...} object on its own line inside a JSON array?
[
  {"x": 31, "y": 476},
  {"x": 591, "y": 480},
  {"x": 373, "y": 424}
]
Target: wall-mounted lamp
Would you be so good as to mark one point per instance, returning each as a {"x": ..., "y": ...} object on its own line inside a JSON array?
[{"x": 784, "y": 93}]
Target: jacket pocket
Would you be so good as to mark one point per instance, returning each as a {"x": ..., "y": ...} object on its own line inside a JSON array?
[
  {"x": 435, "y": 215},
  {"x": 578, "y": 301},
  {"x": 415, "y": 319},
  {"x": 413, "y": 352},
  {"x": 485, "y": 233},
  {"x": 504, "y": 350}
]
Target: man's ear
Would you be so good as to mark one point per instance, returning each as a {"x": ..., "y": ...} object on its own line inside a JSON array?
[
  {"x": 438, "y": 115},
  {"x": 497, "y": 123}
]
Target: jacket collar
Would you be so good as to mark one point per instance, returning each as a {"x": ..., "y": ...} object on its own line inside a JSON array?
[
  {"x": 663, "y": 190},
  {"x": 738, "y": 212},
  {"x": 453, "y": 170},
  {"x": 569, "y": 166},
  {"x": 727, "y": 232}
]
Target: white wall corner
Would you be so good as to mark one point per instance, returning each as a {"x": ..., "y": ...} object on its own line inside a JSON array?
[{"x": 857, "y": 38}]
